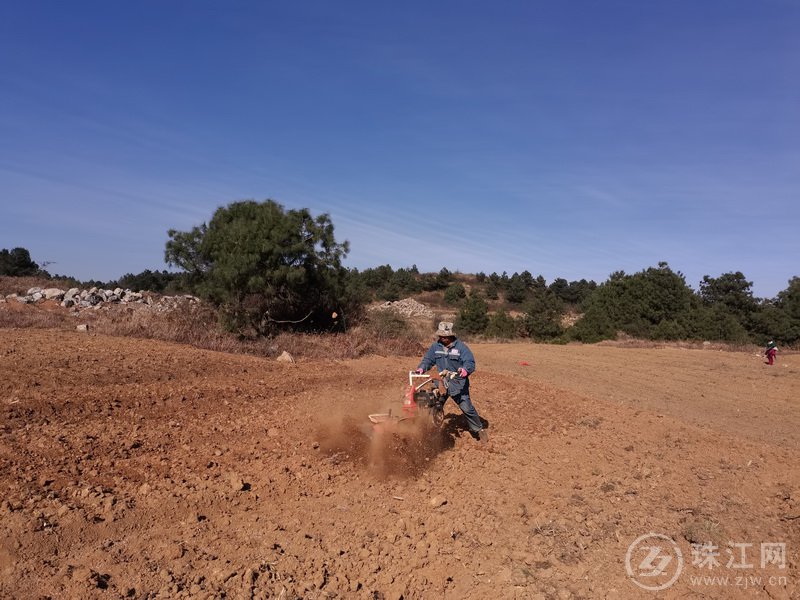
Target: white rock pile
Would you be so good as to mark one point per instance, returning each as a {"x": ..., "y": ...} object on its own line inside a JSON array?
[
  {"x": 92, "y": 298},
  {"x": 407, "y": 307}
]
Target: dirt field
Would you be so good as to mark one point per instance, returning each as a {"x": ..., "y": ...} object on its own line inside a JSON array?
[{"x": 140, "y": 469}]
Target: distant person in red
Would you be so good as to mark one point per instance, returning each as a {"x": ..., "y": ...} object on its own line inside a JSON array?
[{"x": 770, "y": 352}]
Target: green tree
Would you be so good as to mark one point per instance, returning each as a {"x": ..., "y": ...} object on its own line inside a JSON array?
[
  {"x": 560, "y": 287},
  {"x": 474, "y": 315},
  {"x": 455, "y": 294},
  {"x": 501, "y": 326},
  {"x": 517, "y": 290},
  {"x": 17, "y": 263},
  {"x": 668, "y": 329},
  {"x": 389, "y": 291},
  {"x": 716, "y": 323},
  {"x": 580, "y": 290},
  {"x": 574, "y": 292},
  {"x": 185, "y": 250},
  {"x": 406, "y": 281},
  {"x": 789, "y": 299},
  {"x": 542, "y": 318},
  {"x": 431, "y": 282},
  {"x": 733, "y": 292},
  {"x": 376, "y": 277},
  {"x": 635, "y": 304},
  {"x": 153, "y": 281},
  {"x": 266, "y": 268},
  {"x": 779, "y": 319}
]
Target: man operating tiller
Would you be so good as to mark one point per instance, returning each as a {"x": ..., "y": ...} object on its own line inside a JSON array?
[{"x": 455, "y": 362}]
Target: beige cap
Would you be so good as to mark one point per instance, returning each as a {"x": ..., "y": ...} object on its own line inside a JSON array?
[{"x": 445, "y": 330}]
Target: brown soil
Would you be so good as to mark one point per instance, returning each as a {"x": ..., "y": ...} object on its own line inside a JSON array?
[{"x": 143, "y": 469}]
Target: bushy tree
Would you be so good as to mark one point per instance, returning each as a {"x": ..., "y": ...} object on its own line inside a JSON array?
[
  {"x": 267, "y": 268},
  {"x": 779, "y": 319},
  {"x": 560, "y": 287},
  {"x": 517, "y": 290},
  {"x": 668, "y": 329},
  {"x": 716, "y": 323},
  {"x": 356, "y": 291},
  {"x": 376, "y": 277},
  {"x": 789, "y": 303},
  {"x": 454, "y": 294},
  {"x": 17, "y": 263},
  {"x": 474, "y": 315},
  {"x": 542, "y": 318},
  {"x": 789, "y": 299},
  {"x": 387, "y": 284},
  {"x": 732, "y": 292},
  {"x": 189, "y": 250},
  {"x": 406, "y": 281},
  {"x": 501, "y": 326},
  {"x": 153, "y": 281},
  {"x": 636, "y": 304},
  {"x": 388, "y": 292},
  {"x": 579, "y": 291},
  {"x": 573, "y": 292},
  {"x": 432, "y": 282}
]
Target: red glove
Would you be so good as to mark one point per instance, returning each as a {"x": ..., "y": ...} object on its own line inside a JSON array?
[
  {"x": 419, "y": 371},
  {"x": 463, "y": 372}
]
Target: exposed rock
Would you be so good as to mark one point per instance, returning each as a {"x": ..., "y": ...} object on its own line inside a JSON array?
[
  {"x": 95, "y": 298},
  {"x": 285, "y": 357},
  {"x": 83, "y": 327},
  {"x": 438, "y": 501},
  {"x": 408, "y": 307},
  {"x": 53, "y": 293},
  {"x": 237, "y": 483}
]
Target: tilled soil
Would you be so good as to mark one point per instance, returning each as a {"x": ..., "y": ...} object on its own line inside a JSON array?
[{"x": 139, "y": 469}]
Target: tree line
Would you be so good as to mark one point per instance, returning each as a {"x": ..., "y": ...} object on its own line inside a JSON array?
[{"x": 268, "y": 269}]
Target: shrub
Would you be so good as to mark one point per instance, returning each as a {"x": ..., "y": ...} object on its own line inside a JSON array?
[
  {"x": 454, "y": 294},
  {"x": 474, "y": 316},
  {"x": 501, "y": 325}
]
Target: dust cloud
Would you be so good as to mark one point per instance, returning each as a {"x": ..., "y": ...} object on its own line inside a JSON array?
[{"x": 397, "y": 448}]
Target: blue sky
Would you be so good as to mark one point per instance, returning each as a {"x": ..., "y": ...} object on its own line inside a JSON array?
[{"x": 571, "y": 139}]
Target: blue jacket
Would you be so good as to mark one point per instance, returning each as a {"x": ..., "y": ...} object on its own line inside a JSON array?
[{"x": 457, "y": 356}]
